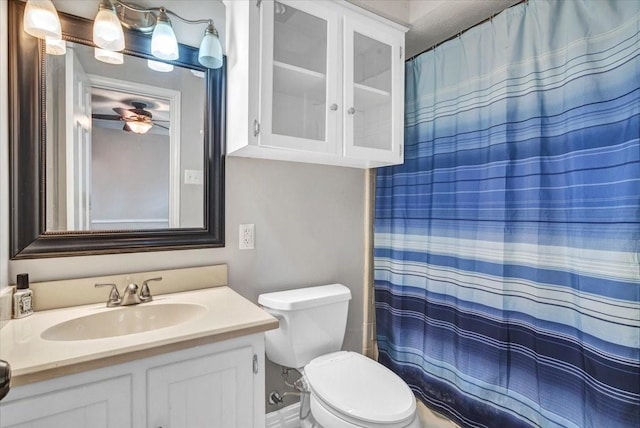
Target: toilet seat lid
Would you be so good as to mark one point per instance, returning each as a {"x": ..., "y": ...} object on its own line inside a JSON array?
[{"x": 360, "y": 388}]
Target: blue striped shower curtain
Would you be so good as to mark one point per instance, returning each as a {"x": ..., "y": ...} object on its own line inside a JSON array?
[{"x": 507, "y": 266}]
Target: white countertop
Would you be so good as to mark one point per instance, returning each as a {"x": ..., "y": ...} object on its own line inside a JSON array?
[{"x": 33, "y": 358}]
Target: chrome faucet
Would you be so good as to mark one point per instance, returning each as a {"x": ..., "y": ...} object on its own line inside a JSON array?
[{"x": 130, "y": 295}]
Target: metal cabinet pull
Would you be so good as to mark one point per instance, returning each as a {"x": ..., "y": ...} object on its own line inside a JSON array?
[
  {"x": 351, "y": 110},
  {"x": 333, "y": 107}
]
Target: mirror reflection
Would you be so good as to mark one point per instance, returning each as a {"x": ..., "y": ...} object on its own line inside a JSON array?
[{"x": 124, "y": 143}]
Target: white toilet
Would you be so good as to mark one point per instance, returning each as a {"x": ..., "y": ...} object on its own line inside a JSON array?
[{"x": 347, "y": 389}]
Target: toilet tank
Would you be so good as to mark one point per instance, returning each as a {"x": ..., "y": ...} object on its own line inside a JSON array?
[{"x": 312, "y": 323}]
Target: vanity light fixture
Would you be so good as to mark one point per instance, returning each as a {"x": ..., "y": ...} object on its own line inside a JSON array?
[
  {"x": 164, "y": 44},
  {"x": 210, "y": 53},
  {"x": 107, "y": 30},
  {"x": 41, "y": 20}
]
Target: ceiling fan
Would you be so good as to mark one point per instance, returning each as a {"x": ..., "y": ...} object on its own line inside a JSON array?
[{"x": 136, "y": 119}]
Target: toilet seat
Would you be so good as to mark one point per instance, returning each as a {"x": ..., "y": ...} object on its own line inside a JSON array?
[{"x": 360, "y": 391}]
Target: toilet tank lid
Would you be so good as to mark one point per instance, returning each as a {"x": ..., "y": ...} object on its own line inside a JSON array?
[{"x": 301, "y": 298}]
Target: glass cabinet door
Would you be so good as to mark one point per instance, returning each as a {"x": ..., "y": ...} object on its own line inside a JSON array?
[
  {"x": 373, "y": 93},
  {"x": 299, "y": 103}
]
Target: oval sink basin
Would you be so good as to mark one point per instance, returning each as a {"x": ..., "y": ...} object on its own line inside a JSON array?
[{"x": 123, "y": 321}]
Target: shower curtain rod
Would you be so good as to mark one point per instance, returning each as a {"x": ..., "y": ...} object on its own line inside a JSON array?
[{"x": 463, "y": 31}]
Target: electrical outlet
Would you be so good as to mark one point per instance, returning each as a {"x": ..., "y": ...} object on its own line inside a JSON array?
[{"x": 247, "y": 236}]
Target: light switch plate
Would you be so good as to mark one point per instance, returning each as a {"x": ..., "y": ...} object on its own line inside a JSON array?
[{"x": 192, "y": 176}]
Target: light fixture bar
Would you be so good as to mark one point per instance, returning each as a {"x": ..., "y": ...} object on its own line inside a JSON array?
[
  {"x": 41, "y": 20},
  {"x": 164, "y": 44}
]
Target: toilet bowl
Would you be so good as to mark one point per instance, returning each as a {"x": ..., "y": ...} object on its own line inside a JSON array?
[
  {"x": 344, "y": 389},
  {"x": 350, "y": 390}
]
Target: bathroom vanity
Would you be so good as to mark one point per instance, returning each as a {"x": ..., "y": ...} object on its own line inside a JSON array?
[{"x": 204, "y": 366}]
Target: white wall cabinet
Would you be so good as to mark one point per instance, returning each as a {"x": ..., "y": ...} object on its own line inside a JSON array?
[
  {"x": 214, "y": 385},
  {"x": 319, "y": 82}
]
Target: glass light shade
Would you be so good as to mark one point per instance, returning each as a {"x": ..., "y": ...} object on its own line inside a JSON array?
[
  {"x": 55, "y": 47},
  {"x": 159, "y": 66},
  {"x": 41, "y": 20},
  {"x": 210, "y": 53},
  {"x": 163, "y": 41},
  {"x": 137, "y": 127},
  {"x": 109, "y": 57},
  {"x": 107, "y": 30}
]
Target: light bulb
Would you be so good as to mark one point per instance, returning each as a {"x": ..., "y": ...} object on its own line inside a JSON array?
[
  {"x": 163, "y": 40},
  {"x": 41, "y": 20},
  {"x": 107, "y": 30}
]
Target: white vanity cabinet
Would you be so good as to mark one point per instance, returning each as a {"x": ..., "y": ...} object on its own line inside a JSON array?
[
  {"x": 207, "y": 391},
  {"x": 104, "y": 403},
  {"x": 213, "y": 385},
  {"x": 319, "y": 82}
]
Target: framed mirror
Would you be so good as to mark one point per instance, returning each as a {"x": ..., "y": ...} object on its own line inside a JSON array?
[{"x": 82, "y": 179}]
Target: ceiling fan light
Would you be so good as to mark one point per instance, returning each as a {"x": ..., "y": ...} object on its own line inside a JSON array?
[
  {"x": 55, "y": 47},
  {"x": 109, "y": 57},
  {"x": 41, "y": 20},
  {"x": 160, "y": 66},
  {"x": 107, "y": 30},
  {"x": 210, "y": 53},
  {"x": 138, "y": 127},
  {"x": 163, "y": 40}
]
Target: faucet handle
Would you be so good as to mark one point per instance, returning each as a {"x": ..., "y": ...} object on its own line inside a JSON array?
[
  {"x": 114, "y": 296},
  {"x": 145, "y": 293}
]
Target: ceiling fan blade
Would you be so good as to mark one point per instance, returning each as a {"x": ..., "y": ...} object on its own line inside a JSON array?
[
  {"x": 105, "y": 116},
  {"x": 125, "y": 113},
  {"x": 161, "y": 126}
]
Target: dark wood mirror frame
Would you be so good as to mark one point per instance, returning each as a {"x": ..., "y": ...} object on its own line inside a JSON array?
[{"x": 27, "y": 139}]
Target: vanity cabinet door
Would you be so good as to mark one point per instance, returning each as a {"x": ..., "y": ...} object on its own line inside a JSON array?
[
  {"x": 102, "y": 404},
  {"x": 208, "y": 391}
]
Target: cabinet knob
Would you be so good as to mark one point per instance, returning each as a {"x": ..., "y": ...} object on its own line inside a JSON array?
[
  {"x": 351, "y": 110},
  {"x": 333, "y": 107}
]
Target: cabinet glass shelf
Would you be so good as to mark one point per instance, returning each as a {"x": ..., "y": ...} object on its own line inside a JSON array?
[
  {"x": 292, "y": 80},
  {"x": 369, "y": 96}
]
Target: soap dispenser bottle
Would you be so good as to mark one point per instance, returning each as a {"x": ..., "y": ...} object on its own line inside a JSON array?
[{"x": 23, "y": 297}]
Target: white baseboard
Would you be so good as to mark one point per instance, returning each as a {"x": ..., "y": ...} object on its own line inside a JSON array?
[{"x": 287, "y": 417}]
